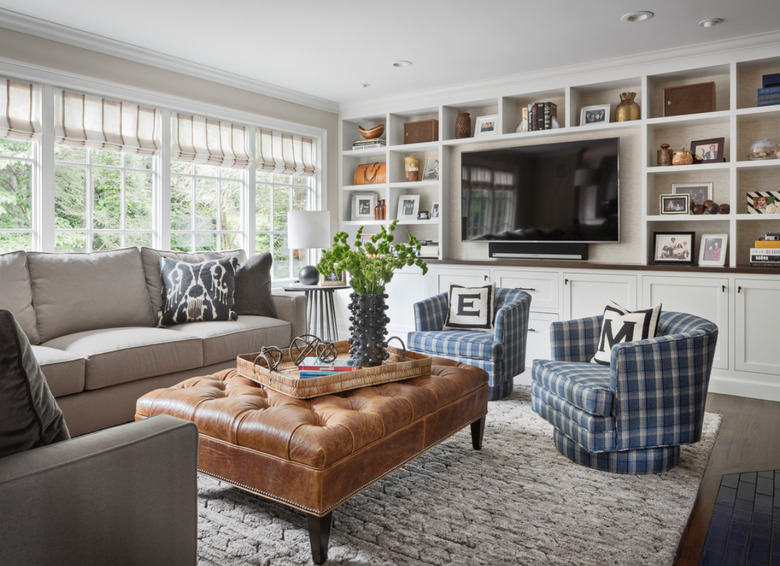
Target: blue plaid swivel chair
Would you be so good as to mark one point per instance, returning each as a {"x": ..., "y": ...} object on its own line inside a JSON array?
[
  {"x": 629, "y": 417},
  {"x": 501, "y": 352}
]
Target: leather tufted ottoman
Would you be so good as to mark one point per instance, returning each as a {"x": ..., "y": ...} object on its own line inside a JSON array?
[{"x": 315, "y": 454}]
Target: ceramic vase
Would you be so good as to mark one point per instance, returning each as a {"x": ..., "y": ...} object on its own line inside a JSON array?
[
  {"x": 368, "y": 329},
  {"x": 627, "y": 110},
  {"x": 463, "y": 125}
]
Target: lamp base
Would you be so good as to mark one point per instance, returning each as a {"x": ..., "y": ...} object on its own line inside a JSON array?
[{"x": 308, "y": 275}]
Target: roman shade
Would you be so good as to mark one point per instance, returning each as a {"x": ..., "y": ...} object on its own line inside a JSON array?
[
  {"x": 203, "y": 140},
  {"x": 19, "y": 110},
  {"x": 285, "y": 153}
]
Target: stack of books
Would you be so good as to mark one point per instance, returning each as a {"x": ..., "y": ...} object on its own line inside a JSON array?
[
  {"x": 540, "y": 116},
  {"x": 365, "y": 144},
  {"x": 429, "y": 248},
  {"x": 314, "y": 367},
  {"x": 769, "y": 94},
  {"x": 766, "y": 252}
]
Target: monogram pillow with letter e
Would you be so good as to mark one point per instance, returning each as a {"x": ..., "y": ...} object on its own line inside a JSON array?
[
  {"x": 471, "y": 308},
  {"x": 622, "y": 325}
]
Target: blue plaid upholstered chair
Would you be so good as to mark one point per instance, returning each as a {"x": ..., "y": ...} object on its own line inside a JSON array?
[
  {"x": 629, "y": 417},
  {"x": 501, "y": 353}
]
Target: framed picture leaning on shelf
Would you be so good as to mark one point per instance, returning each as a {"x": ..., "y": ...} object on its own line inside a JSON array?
[
  {"x": 708, "y": 151},
  {"x": 486, "y": 125},
  {"x": 363, "y": 205},
  {"x": 698, "y": 192},
  {"x": 673, "y": 247},
  {"x": 674, "y": 204},
  {"x": 431, "y": 171},
  {"x": 597, "y": 114},
  {"x": 435, "y": 210},
  {"x": 333, "y": 279},
  {"x": 713, "y": 249},
  {"x": 408, "y": 207}
]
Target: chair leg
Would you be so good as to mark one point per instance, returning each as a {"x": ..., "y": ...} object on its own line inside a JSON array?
[
  {"x": 319, "y": 535},
  {"x": 477, "y": 432}
]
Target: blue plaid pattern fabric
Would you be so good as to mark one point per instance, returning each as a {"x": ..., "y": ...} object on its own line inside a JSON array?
[
  {"x": 501, "y": 353},
  {"x": 659, "y": 389}
]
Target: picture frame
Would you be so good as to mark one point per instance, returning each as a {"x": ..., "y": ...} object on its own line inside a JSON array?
[
  {"x": 363, "y": 205},
  {"x": 333, "y": 279},
  {"x": 763, "y": 202},
  {"x": 434, "y": 210},
  {"x": 431, "y": 170},
  {"x": 486, "y": 125},
  {"x": 708, "y": 151},
  {"x": 408, "y": 207},
  {"x": 423, "y": 215},
  {"x": 698, "y": 192},
  {"x": 673, "y": 247},
  {"x": 675, "y": 204},
  {"x": 712, "y": 251},
  {"x": 596, "y": 114}
]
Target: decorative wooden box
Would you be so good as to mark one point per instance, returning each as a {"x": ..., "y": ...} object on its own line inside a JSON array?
[
  {"x": 689, "y": 99},
  {"x": 422, "y": 131}
]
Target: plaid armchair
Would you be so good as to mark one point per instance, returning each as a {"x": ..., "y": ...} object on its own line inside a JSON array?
[
  {"x": 631, "y": 416},
  {"x": 501, "y": 353}
]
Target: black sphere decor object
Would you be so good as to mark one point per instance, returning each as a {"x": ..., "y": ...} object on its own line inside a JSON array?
[
  {"x": 308, "y": 275},
  {"x": 368, "y": 329}
]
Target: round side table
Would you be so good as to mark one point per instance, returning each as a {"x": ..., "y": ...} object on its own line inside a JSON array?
[{"x": 320, "y": 311}]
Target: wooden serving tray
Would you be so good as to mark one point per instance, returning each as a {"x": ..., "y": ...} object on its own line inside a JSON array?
[{"x": 285, "y": 379}]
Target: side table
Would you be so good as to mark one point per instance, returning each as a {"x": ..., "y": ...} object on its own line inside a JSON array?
[{"x": 320, "y": 311}]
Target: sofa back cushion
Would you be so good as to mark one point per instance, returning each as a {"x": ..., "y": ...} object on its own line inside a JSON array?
[
  {"x": 29, "y": 415},
  {"x": 16, "y": 295},
  {"x": 253, "y": 286},
  {"x": 73, "y": 292}
]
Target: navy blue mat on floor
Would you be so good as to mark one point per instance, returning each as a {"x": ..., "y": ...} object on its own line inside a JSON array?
[{"x": 745, "y": 526}]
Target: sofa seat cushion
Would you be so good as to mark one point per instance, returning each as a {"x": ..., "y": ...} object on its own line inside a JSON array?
[
  {"x": 17, "y": 292},
  {"x": 65, "y": 372},
  {"x": 583, "y": 384},
  {"x": 224, "y": 340},
  {"x": 121, "y": 355},
  {"x": 473, "y": 345}
]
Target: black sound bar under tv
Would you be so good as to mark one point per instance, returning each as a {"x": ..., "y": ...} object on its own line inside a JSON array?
[{"x": 537, "y": 250}]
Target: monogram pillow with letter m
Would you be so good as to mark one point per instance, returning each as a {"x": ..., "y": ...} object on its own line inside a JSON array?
[
  {"x": 471, "y": 308},
  {"x": 622, "y": 325}
]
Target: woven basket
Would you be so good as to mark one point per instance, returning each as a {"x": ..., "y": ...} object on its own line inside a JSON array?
[{"x": 285, "y": 379}]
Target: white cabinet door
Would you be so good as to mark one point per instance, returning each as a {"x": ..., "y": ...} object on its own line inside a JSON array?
[
  {"x": 538, "y": 345},
  {"x": 443, "y": 277},
  {"x": 702, "y": 296},
  {"x": 586, "y": 294},
  {"x": 757, "y": 325},
  {"x": 541, "y": 285},
  {"x": 405, "y": 289}
]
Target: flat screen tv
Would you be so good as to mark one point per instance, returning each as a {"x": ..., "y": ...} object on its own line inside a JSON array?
[{"x": 565, "y": 192}]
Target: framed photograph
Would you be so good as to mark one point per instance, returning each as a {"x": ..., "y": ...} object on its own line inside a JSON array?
[
  {"x": 673, "y": 247},
  {"x": 598, "y": 114},
  {"x": 708, "y": 151},
  {"x": 435, "y": 210},
  {"x": 698, "y": 192},
  {"x": 408, "y": 207},
  {"x": 675, "y": 204},
  {"x": 423, "y": 215},
  {"x": 763, "y": 202},
  {"x": 486, "y": 125},
  {"x": 333, "y": 279},
  {"x": 713, "y": 249},
  {"x": 431, "y": 171},
  {"x": 363, "y": 206}
]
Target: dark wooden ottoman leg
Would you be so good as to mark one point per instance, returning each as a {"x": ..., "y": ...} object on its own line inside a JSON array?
[
  {"x": 319, "y": 534},
  {"x": 477, "y": 432}
]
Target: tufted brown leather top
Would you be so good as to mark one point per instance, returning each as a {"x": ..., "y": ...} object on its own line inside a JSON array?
[{"x": 315, "y": 432}]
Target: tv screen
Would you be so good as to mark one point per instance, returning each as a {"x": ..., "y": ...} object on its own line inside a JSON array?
[{"x": 558, "y": 192}]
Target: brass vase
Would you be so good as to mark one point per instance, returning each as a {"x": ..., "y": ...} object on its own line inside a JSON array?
[
  {"x": 463, "y": 125},
  {"x": 627, "y": 110}
]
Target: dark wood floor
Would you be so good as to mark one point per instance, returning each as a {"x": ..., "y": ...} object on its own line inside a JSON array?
[{"x": 748, "y": 441}]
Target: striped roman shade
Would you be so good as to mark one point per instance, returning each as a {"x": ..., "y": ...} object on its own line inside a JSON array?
[
  {"x": 83, "y": 120},
  {"x": 20, "y": 117},
  {"x": 203, "y": 140},
  {"x": 285, "y": 153}
]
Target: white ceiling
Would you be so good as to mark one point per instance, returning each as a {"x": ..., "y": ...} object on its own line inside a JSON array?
[{"x": 328, "y": 49}]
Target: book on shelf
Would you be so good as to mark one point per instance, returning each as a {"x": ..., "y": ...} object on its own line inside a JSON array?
[
  {"x": 763, "y": 264},
  {"x": 764, "y": 244},
  {"x": 765, "y": 251},
  {"x": 312, "y": 363},
  {"x": 772, "y": 236},
  {"x": 362, "y": 144},
  {"x": 541, "y": 115}
]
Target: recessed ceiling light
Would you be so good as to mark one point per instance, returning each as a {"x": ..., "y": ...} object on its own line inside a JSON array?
[
  {"x": 402, "y": 63},
  {"x": 710, "y": 22},
  {"x": 365, "y": 85},
  {"x": 640, "y": 16}
]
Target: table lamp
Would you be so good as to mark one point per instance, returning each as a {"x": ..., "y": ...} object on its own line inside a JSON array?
[{"x": 308, "y": 229}]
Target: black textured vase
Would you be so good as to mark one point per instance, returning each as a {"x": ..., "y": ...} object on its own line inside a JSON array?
[{"x": 369, "y": 329}]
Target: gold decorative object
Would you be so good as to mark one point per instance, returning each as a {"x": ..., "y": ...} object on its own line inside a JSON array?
[
  {"x": 372, "y": 133},
  {"x": 682, "y": 157},
  {"x": 627, "y": 110},
  {"x": 412, "y": 168},
  {"x": 664, "y": 155}
]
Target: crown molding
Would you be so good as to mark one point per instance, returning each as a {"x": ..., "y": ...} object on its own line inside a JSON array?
[{"x": 76, "y": 38}]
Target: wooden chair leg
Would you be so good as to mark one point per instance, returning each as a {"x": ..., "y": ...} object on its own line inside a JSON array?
[
  {"x": 477, "y": 432},
  {"x": 319, "y": 534}
]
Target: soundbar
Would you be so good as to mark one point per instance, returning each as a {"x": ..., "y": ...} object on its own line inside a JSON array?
[{"x": 537, "y": 250}]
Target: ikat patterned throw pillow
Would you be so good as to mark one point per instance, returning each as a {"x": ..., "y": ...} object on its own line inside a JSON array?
[
  {"x": 621, "y": 325},
  {"x": 471, "y": 308},
  {"x": 197, "y": 291}
]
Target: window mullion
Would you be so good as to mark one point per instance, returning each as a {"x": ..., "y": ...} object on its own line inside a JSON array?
[
  {"x": 43, "y": 199},
  {"x": 161, "y": 186}
]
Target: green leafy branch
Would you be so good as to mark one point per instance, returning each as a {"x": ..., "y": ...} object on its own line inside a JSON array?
[{"x": 371, "y": 264}]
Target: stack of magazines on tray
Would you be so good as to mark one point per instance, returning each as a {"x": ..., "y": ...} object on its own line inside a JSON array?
[{"x": 314, "y": 367}]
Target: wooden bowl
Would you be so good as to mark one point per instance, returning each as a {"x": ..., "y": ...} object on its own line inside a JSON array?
[{"x": 372, "y": 133}]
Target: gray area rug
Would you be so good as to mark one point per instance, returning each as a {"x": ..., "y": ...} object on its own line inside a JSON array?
[{"x": 516, "y": 501}]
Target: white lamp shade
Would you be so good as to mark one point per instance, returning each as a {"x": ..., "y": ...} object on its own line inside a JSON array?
[{"x": 307, "y": 229}]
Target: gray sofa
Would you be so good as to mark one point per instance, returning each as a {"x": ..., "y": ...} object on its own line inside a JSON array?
[{"x": 91, "y": 319}]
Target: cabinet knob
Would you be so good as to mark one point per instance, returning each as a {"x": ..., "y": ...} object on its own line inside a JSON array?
[
  {"x": 739, "y": 289},
  {"x": 722, "y": 288},
  {"x": 485, "y": 278},
  {"x": 532, "y": 330},
  {"x": 565, "y": 281}
]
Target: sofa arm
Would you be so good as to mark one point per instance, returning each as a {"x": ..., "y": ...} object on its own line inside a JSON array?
[
  {"x": 125, "y": 495},
  {"x": 292, "y": 308},
  {"x": 431, "y": 313},
  {"x": 575, "y": 340},
  {"x": 512, "y": 331}
]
